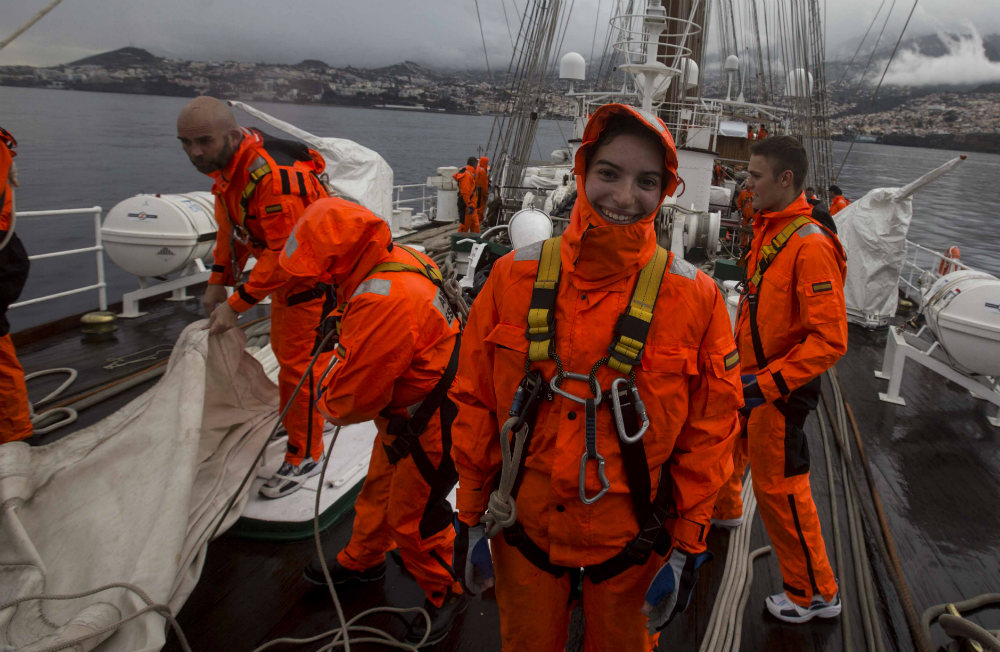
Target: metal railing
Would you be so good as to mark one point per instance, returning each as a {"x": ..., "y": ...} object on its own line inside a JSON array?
[
  {"x": 98, "y": 249},
  {"x": 921, "y": 267},
  {"x": 415, "y": 196}
]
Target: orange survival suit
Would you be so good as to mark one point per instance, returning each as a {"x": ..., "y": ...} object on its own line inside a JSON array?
[
  {"x": 801, "y": 332},
  {"x": 482, "y": 189},
  {"x": 15, "y": 415},
  {"x": 838, "y": 203},
  {"x": 468, "y": 207},
  {"x": 259, "y": 196},
  {"x": 687, "y": 378},
  {"x": 397, "y": 336}
]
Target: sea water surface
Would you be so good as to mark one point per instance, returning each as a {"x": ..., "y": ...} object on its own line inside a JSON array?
[{"x": 80, "y": 149}]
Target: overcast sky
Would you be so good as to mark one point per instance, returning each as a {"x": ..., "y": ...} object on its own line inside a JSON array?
[{"x": 371, "y": 33}]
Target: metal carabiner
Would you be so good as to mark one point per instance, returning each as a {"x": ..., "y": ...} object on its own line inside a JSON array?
[
  {"x": 605, "y": 485},
  {"x": 554, "y": 384},
  {"x": 616, "y": 409}
]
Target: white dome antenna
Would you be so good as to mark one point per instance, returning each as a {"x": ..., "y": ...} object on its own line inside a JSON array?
[{"x": 573, "y": 68}]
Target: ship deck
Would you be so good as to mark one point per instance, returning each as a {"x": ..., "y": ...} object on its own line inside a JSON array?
[{"x": 935, "y": 464}]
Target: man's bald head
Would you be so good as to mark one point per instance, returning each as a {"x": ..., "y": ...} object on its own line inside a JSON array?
[{"x": 208, "y": 133}]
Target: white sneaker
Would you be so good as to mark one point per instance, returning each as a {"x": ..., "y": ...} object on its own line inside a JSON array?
[
  {"x": 784, "y": 609},
  {"x": 289, "y": 479},
  {"x": 727, "y": 523}
]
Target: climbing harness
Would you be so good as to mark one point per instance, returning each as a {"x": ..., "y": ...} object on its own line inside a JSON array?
[
  {"x": 629, "y": 415},
  {"x": 768, "y": 253}
]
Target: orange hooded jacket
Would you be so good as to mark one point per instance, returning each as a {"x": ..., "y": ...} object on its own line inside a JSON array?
[
  {"x": 466, "y": 178},
  {"x": 838, "y": 203},
  {"x": 272, "y": 210},
  {"x": 801, "y": 312},
  {"x": 688, "y": 379},
  {"x": 482, "y": 185},
  {"x": 396, "y": 330}
]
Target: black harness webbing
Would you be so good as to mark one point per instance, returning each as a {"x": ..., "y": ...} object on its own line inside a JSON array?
[{"x": 768, "y": 253}]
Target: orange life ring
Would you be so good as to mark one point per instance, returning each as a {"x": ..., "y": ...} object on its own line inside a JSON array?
[{"x": 946, "y": 266}]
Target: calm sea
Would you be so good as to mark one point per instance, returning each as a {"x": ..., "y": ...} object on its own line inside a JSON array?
[{"x": 78, "y": 149}]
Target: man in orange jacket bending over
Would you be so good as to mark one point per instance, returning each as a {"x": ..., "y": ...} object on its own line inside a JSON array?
[
  {"x": 262, "y": 185},
  {"x": 394, "y": 360},
  {"x": 791, "y": 327}
]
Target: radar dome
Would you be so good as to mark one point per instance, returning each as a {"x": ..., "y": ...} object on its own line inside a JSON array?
[{"x": 573, "y": 67}]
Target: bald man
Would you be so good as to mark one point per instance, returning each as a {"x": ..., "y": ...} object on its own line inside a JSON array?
[{"x": 262, "y": 186}]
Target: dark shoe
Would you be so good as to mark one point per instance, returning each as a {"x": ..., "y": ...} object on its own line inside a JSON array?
[
  {"x": 442, "y": 618},
  {"x": 313, "y": 572}
]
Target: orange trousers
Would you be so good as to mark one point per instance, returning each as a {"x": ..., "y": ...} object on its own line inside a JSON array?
[
  {"x": 293, "y": 334},
  {"x": 388, "y": 511},
  {"x": 535, "y": 609},
  {"x": 779, "y": 464},
  {"x": 15, "y": 417},
  {"x": 729, "y": 502}
]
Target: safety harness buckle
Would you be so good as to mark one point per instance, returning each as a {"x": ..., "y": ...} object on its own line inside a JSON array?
[
  {"x": 638, "y": 410},
  {"x": 605, "y": 485},
  {"x": 592, "y": 381}
]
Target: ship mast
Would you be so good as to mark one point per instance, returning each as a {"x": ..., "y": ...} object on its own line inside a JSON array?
[{"x": 514, "y": 126}]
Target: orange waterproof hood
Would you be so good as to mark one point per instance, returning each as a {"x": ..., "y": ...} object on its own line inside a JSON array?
[
  {"x": 337, "y": 242},
  {"x": 595, "y": 251},
  {"x": 484, "y": 161}
]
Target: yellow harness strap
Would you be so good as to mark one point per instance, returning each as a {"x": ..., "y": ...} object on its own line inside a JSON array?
[
  {"x": 431, "y": 273},
  {"x": 770, "y": 250},
  {"x": 541, "y": 330},
  {"x": 260, "y": 170},
  {"x": 632, "y": 327}
]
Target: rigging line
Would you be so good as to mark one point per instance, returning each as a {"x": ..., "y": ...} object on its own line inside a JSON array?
[
  {"x": 506, "y": 19},
  {"x": 593, "y": 40},
  {"x": 482, "y": 34},
  {"x": 871, "y": 56},
  {"x": 888, "y": 63},
  {"x": 861, "y": 44},
  {"x": 34, "y": 19}
]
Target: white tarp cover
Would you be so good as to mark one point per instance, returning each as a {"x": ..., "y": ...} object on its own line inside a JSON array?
[
  {"x": 355, "y": 172},
  {"x": 733, "y": 128},
  {"x": 873, "y": 231},
  {"x": 130, "y": 499}
]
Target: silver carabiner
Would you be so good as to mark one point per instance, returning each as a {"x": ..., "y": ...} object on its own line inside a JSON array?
[
  {"x": 605, "y": 485},
  {"x": 554, "y": 384},
  {"x": 616, "y": 409}
]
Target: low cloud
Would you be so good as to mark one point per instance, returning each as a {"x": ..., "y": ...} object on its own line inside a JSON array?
[{"x": 964, "y": 64}]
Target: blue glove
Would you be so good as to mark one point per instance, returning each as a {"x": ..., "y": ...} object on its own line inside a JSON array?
[
  {"x": 472, "y": 557},
  {"x": 670, "y": 590},
  {"x": 752, "y": 396}
]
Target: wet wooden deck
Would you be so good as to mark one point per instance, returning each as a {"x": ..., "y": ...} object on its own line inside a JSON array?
[{"x": 935, "y": 463}]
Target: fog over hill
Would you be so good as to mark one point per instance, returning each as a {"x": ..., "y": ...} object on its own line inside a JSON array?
[{"x": 957, "y": 60}]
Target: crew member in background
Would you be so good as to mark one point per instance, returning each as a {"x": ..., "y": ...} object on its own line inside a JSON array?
[
  {"x": 482, "y": 190},
  {"x": 262, "y": 185},
  {"x": 837, "y": 200},
  {"x": 15, "y": 415},
  {"x": 394, "y": 361},
  {"x": 468, "y": 217},
  {"x": 762, "y": 132},
  {"x": 744, "y": 204},
  {"x": 811, "y": 196},
  {"x": 633, "y": 516},
  {"x": 791, "y": 327}
]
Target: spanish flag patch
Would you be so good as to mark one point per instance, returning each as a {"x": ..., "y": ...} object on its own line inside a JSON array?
[
  {"x": 732, "y": 359},
  {"x": 826, "y": 286},
  {"x": 273, "y": 208}
]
